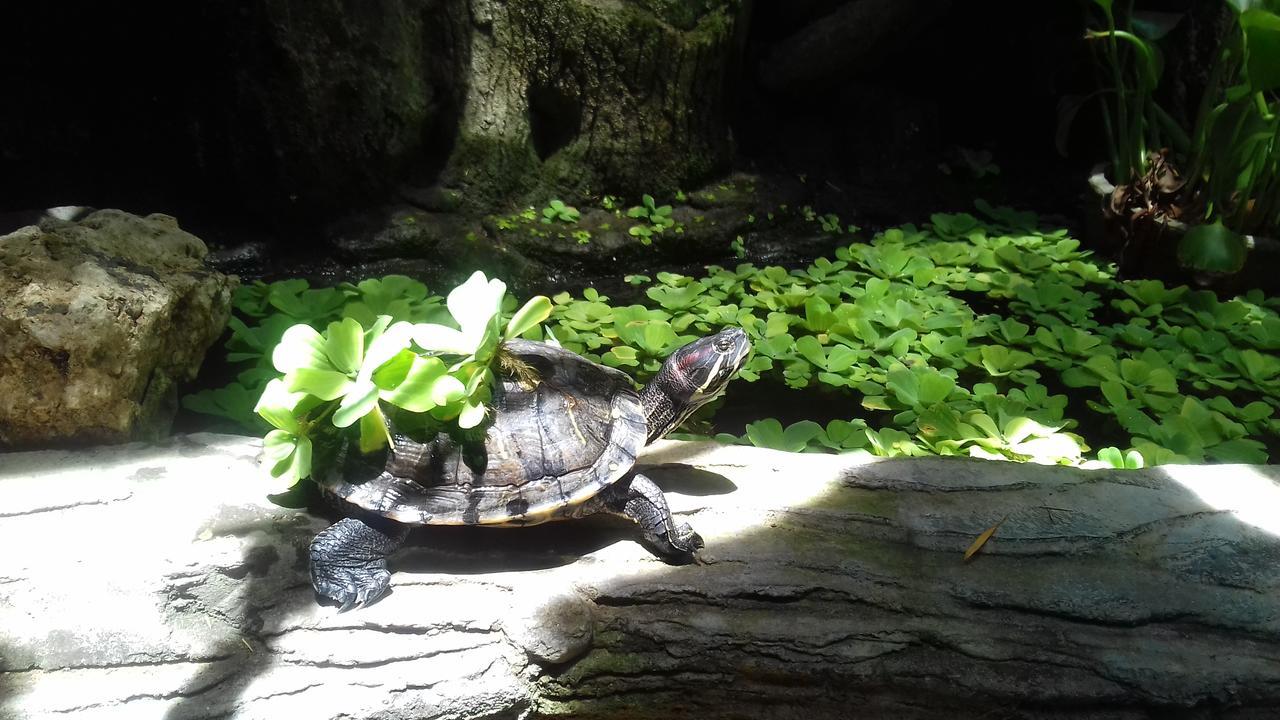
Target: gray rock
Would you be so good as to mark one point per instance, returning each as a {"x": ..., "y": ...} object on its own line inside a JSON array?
[
  {"x": 566, "y": 98},
  {"x": 99, "y": 321},
  {"x": 158, "y": 581}
]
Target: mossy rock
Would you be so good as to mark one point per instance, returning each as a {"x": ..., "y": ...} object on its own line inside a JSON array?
[{"x": 574, "y": 99}]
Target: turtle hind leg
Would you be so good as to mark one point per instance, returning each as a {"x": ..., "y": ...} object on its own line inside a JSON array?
[
  {"x": 349, "y": 560},
  {"x": 641, "y": 500}
]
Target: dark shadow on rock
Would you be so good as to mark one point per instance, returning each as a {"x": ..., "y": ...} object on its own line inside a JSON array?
[
  {"x": 6, "y": 666},
  {"x": 689, "y": 480},
  {"x": 272, "y": 574},
  {"x": 479, "y": 550}
]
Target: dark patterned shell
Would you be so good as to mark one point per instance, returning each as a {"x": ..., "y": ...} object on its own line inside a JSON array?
[{"x": 549, "y": 448}]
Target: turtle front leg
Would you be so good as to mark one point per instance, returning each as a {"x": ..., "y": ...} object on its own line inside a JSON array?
[
  {"x": 349, "y": 560},
  {"x": 641, "y": 500}
]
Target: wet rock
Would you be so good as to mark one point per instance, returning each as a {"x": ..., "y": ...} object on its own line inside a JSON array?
[
  {"x": 243, "y": 259},
  {"x": 398, "y": 232},
  {"x": 439, "y": 248},
  {"x": 100, "y": 320}
]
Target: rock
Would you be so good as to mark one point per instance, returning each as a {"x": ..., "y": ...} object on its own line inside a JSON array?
[
  {"x": 439, "y": 248},
  {"x": 553, "y": 624},
  {"x": 774, "y": 220},
  {"x": 99, "y": 321},
  {"x": 246, "y": 258},
  {"x": 570, "y": 98},
  {"x": 319, "y": 108},
  {"x": 398, "y": 232},
  {"x": 157, "y": 581}
]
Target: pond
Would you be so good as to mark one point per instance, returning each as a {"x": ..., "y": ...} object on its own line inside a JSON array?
[{"x": 985, "y": 335}]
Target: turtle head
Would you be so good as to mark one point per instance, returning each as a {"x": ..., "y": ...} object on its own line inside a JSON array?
[{"x": 692, "y": 377}]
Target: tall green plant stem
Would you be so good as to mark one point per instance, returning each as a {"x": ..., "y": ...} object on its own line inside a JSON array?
[
  {"x": 1252, "y": 208},
  {"x": 1124, "y": 170},
  {"x": 1131, "y": 105},
  {"x": 1217, "y": 179},
  {"x": 1205, "y": 116},
  {"x": 1267, "y": 210}
]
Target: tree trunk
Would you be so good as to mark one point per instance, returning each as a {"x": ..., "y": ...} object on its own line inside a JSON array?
[
  {"x": 329, "y": 106},
  {"x": 158, "y": 582},
  {"x": 584, "y": 98}
]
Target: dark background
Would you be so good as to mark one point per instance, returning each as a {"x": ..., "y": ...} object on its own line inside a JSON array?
[{"x": 135, "y": 105}]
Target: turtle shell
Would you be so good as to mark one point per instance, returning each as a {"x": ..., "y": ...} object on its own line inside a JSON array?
[{"x": 549, "y": 448}]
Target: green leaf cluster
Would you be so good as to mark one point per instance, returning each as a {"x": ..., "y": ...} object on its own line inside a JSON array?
[
  {"x": 557, "y": 211},
  {"x": 264, "y": 311},
  {"x": 892, "y": 325},
  {"x": 975, "y": 334},
  {"x": 657, "y": 217},
  {"x": 391, "y": 346}
]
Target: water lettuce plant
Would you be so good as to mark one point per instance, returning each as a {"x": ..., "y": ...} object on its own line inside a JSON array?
[
  {"x": 351, "y": 373},
  {"x": 659, "y": 216},
  {"x": 557, "y": 211},
  {"x": 892, "y": 325},
  {"x": 657, "y": 219},
  {"x": 974, "y": 334}
]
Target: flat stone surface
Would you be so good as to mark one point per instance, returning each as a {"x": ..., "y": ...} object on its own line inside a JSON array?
[{"x": 159, "y": 581}]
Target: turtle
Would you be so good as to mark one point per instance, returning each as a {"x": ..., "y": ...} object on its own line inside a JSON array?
[{"x": 561, "y": 446}]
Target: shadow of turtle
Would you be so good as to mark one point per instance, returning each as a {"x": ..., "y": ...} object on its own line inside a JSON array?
[
  {"x": 233, "y": 601},
  {"x": 478, "y": 550},
  {"x": 253, "y": 599}
]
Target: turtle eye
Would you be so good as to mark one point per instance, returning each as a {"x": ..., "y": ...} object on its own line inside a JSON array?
[{"x": 723, "y": 344}]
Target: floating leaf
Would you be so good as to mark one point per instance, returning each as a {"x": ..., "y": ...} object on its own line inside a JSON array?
[
  {"x": 344, "y": 345},
  {"x": 1212, "y": 248},
  {"x": 472, "y": 415},
  {"x": 415, "y": 392}
]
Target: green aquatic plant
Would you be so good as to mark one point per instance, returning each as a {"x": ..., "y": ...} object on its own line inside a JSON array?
[
  {"x": 1220, "y": 173},
  {"x": 349, "y": 373},
  {"x": 658, "y": 216},
  {"x": 265, "y": 311},
  {"x": 880, "y": 322},
  {"x": 381, "y": 344},
  {"x": 941, "y": 339},
  {"x": 644, "y": 233},
  {"x": 557, "y": 211}
]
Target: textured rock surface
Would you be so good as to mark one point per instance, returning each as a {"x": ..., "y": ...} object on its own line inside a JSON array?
[
  {"x": 99, "y": 319},
  {"x": 157, "y": 582},
  {"x": 581, "y": 97},
  {"x": 327, "y": 106}
]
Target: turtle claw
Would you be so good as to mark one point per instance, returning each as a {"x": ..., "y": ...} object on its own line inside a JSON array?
[
  {"x": 678, "y": 546},
  {"x": 686, "y": 540},
  {"x": 350, "y": 588},
  {"x": 370, "y": 594}
]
